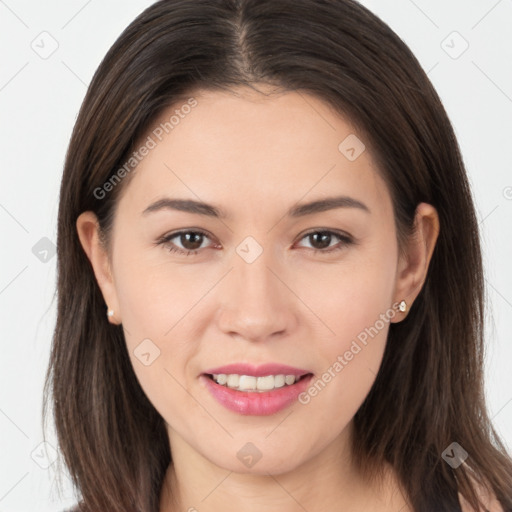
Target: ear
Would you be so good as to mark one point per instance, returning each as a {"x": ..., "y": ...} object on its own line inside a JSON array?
[
  {"x": 412, "y": 269},
  {"x": 89, "y": 234}
]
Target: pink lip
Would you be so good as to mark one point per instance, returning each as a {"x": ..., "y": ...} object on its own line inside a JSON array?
[
  {"x": 257, "y": 371},
  {"x": 256, "y": 403}
]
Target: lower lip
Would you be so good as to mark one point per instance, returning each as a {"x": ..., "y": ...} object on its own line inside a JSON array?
[{"x": 256, "y": 403}]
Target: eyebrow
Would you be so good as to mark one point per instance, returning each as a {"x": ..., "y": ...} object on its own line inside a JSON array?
[{"x": 301, "y": 210}]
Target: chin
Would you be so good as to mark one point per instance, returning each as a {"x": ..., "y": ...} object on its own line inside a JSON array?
[{"x": 251, "y": 461}]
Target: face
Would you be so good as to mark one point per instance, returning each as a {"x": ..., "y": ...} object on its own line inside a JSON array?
[{"x": 261, "y": 285}]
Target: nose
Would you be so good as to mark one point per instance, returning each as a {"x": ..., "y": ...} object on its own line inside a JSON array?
[{"x": 256, "y": 301}]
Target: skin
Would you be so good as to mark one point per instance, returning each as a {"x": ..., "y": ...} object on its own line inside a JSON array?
[{"x": 255, "y": 156}]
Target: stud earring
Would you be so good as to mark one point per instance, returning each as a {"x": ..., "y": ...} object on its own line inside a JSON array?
[
  {"x": 110, "y": 312},
  {"x": 402, "y": 306}
]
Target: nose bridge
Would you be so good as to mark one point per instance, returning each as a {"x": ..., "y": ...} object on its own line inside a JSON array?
[
  {"x": 255, "y": 302},
  {"x": 255, "y": 281}
]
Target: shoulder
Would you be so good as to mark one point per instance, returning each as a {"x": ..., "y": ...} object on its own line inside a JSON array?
[{"x": 487, "y": 498}]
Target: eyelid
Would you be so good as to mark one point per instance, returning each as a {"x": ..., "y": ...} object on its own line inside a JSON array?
[
  {"x": 169, "y": 236},
  {"x": 333, "y": 231}
]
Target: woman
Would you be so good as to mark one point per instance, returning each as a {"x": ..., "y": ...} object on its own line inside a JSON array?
[{"x": 269, "y": 273}]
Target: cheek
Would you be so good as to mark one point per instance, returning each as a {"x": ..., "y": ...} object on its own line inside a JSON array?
[
  {"x": 354, "y": 301},
  {"x": 153, "y": 297},
  {"x": 158, "y": 349},
  {"x": 156, "y": 302},
  {"x": 351, "y": 296}
]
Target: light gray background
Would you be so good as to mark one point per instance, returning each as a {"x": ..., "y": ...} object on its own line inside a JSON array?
[{"x": 39, "y": 102}]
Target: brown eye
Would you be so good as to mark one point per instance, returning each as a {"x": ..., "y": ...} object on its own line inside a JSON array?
[
  {"x": 190, "y": 241},
  {"x": 320, "y": 241}
]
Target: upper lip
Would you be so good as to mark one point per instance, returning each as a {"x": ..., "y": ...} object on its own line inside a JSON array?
[{"x": 257, "y": 371}]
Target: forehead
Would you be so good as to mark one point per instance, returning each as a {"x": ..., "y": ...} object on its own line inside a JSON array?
[{"x": 244, "y": 149}]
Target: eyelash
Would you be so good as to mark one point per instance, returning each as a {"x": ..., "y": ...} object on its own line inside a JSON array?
[{"x": 166, "y": 241}]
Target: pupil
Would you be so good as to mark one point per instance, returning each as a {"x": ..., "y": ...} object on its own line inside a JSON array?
[
  {"x": 187, "y": 237},
  {"x": 326, "y": 237}
]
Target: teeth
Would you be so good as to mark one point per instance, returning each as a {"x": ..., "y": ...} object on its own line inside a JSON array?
[
  {"x": 279, "y": 381},
  {"x": 247, "y": 383},
  {"x": 289, "y": 379},
  {"x": 222, "y": 379},
  {"x": 233, "y": 381},
  {"x": 252, "y": 383}
]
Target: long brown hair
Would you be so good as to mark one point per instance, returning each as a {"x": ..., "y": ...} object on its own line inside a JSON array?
[{"x": 429, "y": 391}]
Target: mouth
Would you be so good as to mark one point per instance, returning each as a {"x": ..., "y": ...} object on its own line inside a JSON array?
[{"x": 260, "y": 391}]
